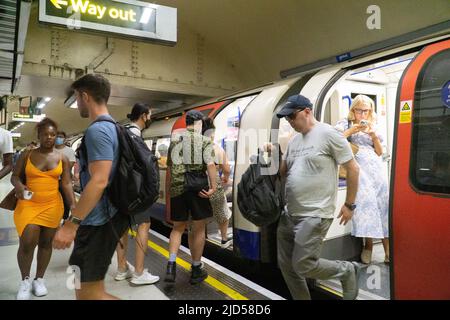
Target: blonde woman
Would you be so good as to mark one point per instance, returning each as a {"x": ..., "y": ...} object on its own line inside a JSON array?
[{"x": 370, "y": 219}]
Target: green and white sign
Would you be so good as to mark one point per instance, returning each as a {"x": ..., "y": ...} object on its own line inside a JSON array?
[
  {"x": 16, "y": 116},
  {"x": 125, "y": 17}
]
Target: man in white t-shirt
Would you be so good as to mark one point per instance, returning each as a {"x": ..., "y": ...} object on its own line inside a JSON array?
[
  {"x": 310, "y": 168},
  {"x": 6, "y": 150}
]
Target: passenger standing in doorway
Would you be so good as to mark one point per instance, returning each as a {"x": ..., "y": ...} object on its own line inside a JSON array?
[
  {"x": 218, "y": 200},
  {"x": 370, "y": 220},
  {"x": 190, "y": 152},
  {"x": 38, "y": 216},
  {"x": 70, "y": 154},
  {"x": 95, "y": 224},
  {"x": 310, "y": 169},
  {"x": 6, "y": 151},
  {"x": 140, "y": 120}
]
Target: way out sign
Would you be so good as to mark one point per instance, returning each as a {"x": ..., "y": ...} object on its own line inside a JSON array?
[{"x": 129, "y": 18}]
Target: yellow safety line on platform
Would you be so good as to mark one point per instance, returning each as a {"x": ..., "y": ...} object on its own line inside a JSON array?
[
  {"x": 330, "y": 290},
  {"x": 187, "y": 266}
]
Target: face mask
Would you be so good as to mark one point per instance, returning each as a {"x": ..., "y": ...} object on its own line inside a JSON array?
[
  {"x": 148, "y": 123},
  {"x": 59, "y": 141}
]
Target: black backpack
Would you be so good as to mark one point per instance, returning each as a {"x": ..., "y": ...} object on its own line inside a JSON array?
[
  {"x": 135, "y": 183},
  {"x": 260, "y": 197}
]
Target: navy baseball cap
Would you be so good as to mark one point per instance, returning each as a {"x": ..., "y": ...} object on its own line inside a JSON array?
[
  {"x": 194, "y": 115},
  {"x": 294, "y": 103}
]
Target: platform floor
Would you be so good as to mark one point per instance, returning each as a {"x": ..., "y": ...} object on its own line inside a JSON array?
[{"x": 222, "y": 284}]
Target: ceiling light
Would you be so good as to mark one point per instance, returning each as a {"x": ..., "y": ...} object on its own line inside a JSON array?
[
  {"x": 71, "y": 102},
  {"x": 74, "y": 105},
  {"x": 145, "y": 18}
]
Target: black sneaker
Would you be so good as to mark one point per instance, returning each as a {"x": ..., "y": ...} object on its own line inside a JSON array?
[
  {"x": 171, "y": 272},
  {"x": 198, "y": 274},
  {"x": 226, "y": 243}
]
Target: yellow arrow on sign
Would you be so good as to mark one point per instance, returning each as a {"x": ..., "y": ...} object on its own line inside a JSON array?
[{"x": 57, "y": 3}]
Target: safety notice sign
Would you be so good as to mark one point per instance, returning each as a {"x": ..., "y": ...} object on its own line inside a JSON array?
[{"x": 405, "y": 111}]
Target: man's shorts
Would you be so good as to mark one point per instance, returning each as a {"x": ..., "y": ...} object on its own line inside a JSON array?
[
  {"x": 141, "y": 217},
  {"x": 95, "y": 245},
  {"x": 189, "y": 204}
]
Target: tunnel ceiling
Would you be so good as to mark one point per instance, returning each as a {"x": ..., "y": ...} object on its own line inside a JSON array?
[
  {"x": 266, "y": 36},
  {"x": 253, "y": 40}
]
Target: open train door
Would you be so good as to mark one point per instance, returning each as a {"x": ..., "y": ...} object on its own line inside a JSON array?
[{"x": 420, "y": 188}]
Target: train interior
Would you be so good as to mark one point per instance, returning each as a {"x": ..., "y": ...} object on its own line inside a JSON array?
[{"x": 380, "y": 82}]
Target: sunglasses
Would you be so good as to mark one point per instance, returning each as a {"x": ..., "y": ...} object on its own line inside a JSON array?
[{"x": 294, "y": 114}]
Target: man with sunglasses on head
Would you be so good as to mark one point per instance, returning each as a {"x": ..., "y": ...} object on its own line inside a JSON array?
[{"x": 310, "y": 168}]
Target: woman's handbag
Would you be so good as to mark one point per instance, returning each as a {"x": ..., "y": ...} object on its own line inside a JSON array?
[
  {"x": 10, "y": 201},
  {"x": 195, "y": 181}
]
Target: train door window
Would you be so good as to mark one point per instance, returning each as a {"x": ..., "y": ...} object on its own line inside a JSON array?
[
  {"x": 285, "y": 134},
  {"x": 227, "y": 123},
  {"x": 161, "y": 151},
  {"x": 430, "y": 149},
  {"x": 149, "y": 143},
  {"x": 206, "y": 112}
]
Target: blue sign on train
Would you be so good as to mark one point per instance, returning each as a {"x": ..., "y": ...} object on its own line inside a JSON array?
[
  {"x": 343, "y": 57},
  {"x": 445, "y": 94}
]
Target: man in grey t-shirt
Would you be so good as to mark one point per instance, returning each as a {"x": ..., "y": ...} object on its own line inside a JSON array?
[{"x": 310, "y": 168}]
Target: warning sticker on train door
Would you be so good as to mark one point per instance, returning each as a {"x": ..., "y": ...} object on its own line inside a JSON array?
[{"x": 405, "y": 111}]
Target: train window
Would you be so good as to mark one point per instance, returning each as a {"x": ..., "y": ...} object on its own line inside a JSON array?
[
  {"x": 206, "y": 112},
  {"x": 285, "y": 131},
  {"x": 285, "y": 134},
  {"x": 162, "y": 147},
  {"x": 149, "y": 144},
  {"x": 227, "y": 124},
  {"x": 430, "y": 156}
]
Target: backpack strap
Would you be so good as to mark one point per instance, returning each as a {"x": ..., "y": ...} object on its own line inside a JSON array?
[{"x": 82, "y": 146}]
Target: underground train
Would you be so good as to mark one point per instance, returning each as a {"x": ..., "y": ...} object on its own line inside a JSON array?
[{"x": 410, "y": 86}]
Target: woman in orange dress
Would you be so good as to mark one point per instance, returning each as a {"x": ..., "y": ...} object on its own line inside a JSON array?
[{"x": 36, "y": 219}]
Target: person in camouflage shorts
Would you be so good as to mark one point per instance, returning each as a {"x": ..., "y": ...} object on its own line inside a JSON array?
[{"x": 190, "y": 151}]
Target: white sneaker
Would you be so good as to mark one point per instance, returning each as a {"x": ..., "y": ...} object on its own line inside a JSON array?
[
  {"x": 38, "y": 288},
  {"x": 125, "y": 275},
  {"x": 24, "y": 290},
  {"x": 144, "y": 278}
]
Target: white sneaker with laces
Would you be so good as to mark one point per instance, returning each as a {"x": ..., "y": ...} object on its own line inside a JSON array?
[
  {"x": 144, "y": 278},
  {"x": 38, "y": 288},
  {"x": 24, "y": 290},
  {"x": 125, "y": 275}
]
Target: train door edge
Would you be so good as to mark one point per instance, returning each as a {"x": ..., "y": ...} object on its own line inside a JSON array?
[{"x": 414, "y": 281}]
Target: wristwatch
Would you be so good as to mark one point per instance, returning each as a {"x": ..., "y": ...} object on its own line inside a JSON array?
[
  {"x": 351, "y": 206},
  {"x": 74, "y": 220}
]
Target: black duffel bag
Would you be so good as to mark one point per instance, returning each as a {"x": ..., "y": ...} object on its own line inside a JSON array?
[{"x": 260, "y": 197}]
